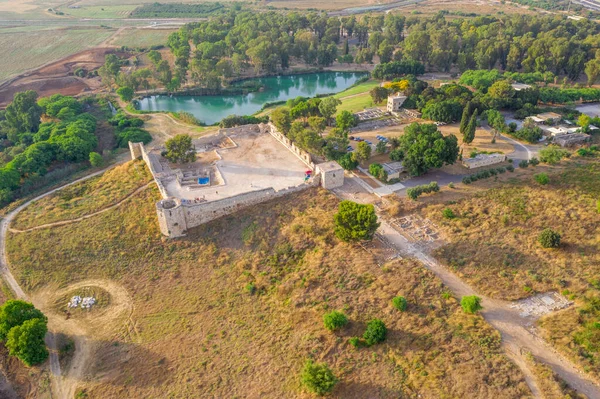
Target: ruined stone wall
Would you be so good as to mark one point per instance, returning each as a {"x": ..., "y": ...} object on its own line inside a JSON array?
[
  {"x": 138, "y": 150},
  {"x": 299, "y": 152}
]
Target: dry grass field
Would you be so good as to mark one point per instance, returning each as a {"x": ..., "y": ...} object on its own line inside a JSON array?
[
  {"x": 235, "y": 308},
  {"x": 145, "y": 38},
  {"x": 493, "y": 244},
  {"x": 86, "y": 197},
  {"x": 24, "y": 49}
]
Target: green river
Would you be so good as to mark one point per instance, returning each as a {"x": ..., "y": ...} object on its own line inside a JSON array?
[{"x": 211, "y": 109}]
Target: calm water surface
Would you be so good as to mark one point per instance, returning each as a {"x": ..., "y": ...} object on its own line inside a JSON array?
[{"x": 211, "y": 109}]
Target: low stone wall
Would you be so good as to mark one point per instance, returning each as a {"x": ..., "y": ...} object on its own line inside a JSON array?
[
  {"x": 299, "y": 152},
  {"x": 138, "y": 150}
]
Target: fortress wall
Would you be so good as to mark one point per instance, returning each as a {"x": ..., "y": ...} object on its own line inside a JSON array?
[
  {"x": 197, "y": 214},
  {"x": 300, "y": 153}
]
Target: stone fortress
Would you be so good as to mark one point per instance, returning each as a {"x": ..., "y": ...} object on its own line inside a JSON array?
[{"x": 234, "y": 169}]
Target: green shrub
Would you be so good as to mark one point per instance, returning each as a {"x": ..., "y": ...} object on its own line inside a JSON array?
[
  {"x": 399, "y": 303},
  {"x": 375, "y": 333},
  {"x": 448, "y": 213},
  {"x": 549, "y": 239},
  {"x": 414, "y": 192},
  {"x": 471, "y": 304},
  {"x": 355, "y": 342},
  {"x": 334, "y": 320},
  {"x": 553, "y": 154},
  {"x": 534, "y": 161},
  {"x": 96, "y": 159},
  {"x": 542, "y": 178},
  {"x": 524, "y": 163},
  {"x": 510, "y": 168},
  {"x": 318, "y": 378}
]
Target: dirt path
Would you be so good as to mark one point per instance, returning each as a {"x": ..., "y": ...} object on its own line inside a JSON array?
[
  {"x": 68, "y": 221},
  {"x": 104, "y": 320},
  {"x": 6, "y": 274},
  {"x": 517, "y": 338}
]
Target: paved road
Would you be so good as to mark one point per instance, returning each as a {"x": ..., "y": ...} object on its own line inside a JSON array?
[{"x": 517, "y": 338}]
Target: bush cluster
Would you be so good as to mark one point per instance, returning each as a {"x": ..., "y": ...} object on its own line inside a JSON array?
[
  {"x": 542, "y": 178},
  {"x": 549, "y": 239},
  {"x": 484, "y": 174},
  {"x": 415, "y": 192},
  {"x": 399, "y": 303},
  {"x": 334, "y": 320},
  {"x": 471, "y": 304}
]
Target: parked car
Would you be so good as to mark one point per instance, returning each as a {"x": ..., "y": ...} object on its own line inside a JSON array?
[
  {"x": 349, "y": 148},
  {"x": 351, "y": 137},
  {"x": 358, "y": 139}
]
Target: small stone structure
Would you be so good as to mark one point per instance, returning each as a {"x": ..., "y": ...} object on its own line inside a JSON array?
[
  {"x": 332, "y": 174},
  {"x": 394, "y": 102},
  {"x": 393, "y": 169},
  {"x": 176, "y": 214},
  {"x": 483, "y": 160},
  {"x": 569, "y": 140}
]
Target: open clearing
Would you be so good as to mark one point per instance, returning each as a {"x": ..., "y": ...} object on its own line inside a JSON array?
[
  {"x": 112, "y": 11},
  {"x": 243, "y": 297},
  {"x": 145, "y": 38},
  {"x": 27, "y": 50}
]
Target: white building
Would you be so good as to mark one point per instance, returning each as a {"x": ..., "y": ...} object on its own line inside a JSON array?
[
  {"x": 483, "y": 160},
  {"x": 395, "y": 102},
  {"x": 520, "y": 86}
]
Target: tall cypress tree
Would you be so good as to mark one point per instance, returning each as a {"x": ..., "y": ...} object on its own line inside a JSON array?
[
  {"x": 464, "y": 121},
  {"x": 469, "y": 134},
  {"x": 346, "y": 47}
]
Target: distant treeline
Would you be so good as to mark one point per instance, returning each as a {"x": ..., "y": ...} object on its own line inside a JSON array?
[{"x": 175, "y": 10}]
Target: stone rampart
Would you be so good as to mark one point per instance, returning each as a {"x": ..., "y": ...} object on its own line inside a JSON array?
[{"x": 299, "y": 152}]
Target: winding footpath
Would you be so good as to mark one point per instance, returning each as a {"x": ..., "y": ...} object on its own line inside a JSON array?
[{"x": 18, "y": 291}]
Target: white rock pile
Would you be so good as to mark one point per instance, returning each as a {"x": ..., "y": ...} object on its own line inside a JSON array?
[{"x": 86, "y": 302}]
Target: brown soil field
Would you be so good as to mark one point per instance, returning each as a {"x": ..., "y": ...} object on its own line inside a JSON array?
[
  {"x": 57, "y": 77},
  {"x": 235, "y": 308}
]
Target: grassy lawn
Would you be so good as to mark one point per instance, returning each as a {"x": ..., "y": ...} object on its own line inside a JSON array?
[
  {"x": 244, "y": 296},
  {"x": 493, "y": 244},
  {"x": 142, "y": 37},
  {"x": 357, "y": 103},
  {"x": 86, "y": 197},
  {"x": 112, "y": 11},
  {"x": 22, "y": 51},
  {"x": 358, "y": 89}
]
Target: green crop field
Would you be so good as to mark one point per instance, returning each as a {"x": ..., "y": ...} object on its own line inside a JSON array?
[
  {"x": 142, "y": 37},
  {"x": 116, "y": 11},
  {"x": 22, "y": 51}
]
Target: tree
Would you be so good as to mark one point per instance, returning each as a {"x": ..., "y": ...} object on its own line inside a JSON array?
[
  {"x": 549, "y": 238},
  {"x": 362, "y": 152},
  {"x": 96, "y": 159},
  {"x": 552, "y": 154},
  {"x": 378, "y": 94},
  {"x": 14, "y": 313},
  {"x": 471, "y": 304},
  {"x": 464, "y": 120},
  {"x": 23, "y": 113},
  {"x": 424, "y": 147},
  {"x": 375, "y": 333},
  {"x": 469, "y": 134},
  {"x": 26, "y": 341},
  {"x": 380, "y": 147},
  {"x": 399, "y": 303},
  {"x": 345, "y": 120},
  {"x": 155, "y": 57},
  {"x": 328, "y": 107},
  {"x": 281, "y": 119},
  {"x": 126, "y": 93},
  {"x": 318, "y": 378},
  {"x": 180, "y": 149},
  {"x": 496, "y": 121},
  {"x": 348, "y": 161},
  {"x": 317, "y": 123},
  {"x": 355, "y": 222},
  {"x": 592, "y": 70},
  {"x": 334, "y": 320}
]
